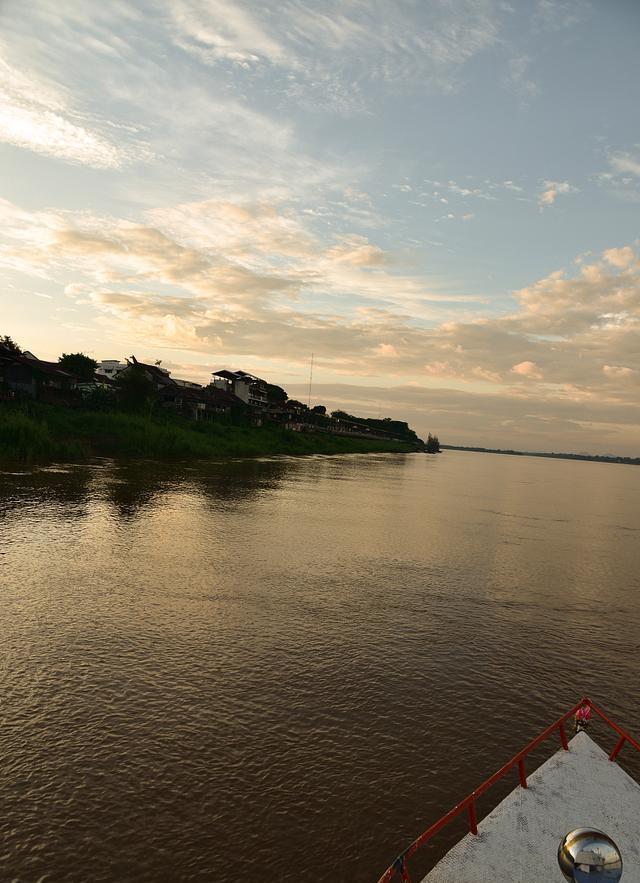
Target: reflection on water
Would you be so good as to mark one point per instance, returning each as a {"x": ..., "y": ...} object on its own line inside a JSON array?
[{"x": 286, "y": 669}]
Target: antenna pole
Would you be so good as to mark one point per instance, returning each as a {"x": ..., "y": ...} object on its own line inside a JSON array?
[{"x": 310, "y": 381}]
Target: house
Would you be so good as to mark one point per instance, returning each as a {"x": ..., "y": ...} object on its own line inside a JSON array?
[
  {"x": 6, "y": 363},
  {"x": 24, "y": 374},
  {"x": 165, "y": 388},
  {"x": 224, "y": 403},
  {"x": 189, "y": 384},
  {"x": 110, "y": 367},
  {"x": 189, "y": 398},
  {"x": 210, "y": 403},
  {"x": 250, "y": 389},
  {"x": 207, "y": 403},
  {"x": 100, "y": 381}
]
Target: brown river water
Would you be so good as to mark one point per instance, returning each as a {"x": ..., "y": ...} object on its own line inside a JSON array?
[{"x": 285, "y": 670}]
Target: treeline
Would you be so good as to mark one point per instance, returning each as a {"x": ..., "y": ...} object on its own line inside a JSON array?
[
  {"x": 597, "y": 458},
  {"x": 398, "y": 428}
]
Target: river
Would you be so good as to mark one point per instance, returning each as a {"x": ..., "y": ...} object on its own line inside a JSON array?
[{"x": 284, "y": 670}]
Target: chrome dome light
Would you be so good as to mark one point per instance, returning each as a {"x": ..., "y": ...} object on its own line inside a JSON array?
[{"x": 586, "y": 855}]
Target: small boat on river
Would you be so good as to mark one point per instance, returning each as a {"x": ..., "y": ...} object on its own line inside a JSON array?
[{"x": 576, "y": 817}]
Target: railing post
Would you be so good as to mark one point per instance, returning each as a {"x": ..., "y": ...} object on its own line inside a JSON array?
[
  {"x": 523, "y": 775},
  {"x": 400, "y": 865},
  {"x": 616, "y": 750},
  {"x": 563, "y": 736},
  {"x": 473, "y": 819}
]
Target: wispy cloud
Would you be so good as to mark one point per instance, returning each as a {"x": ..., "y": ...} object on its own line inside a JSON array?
[
  {"x": 34, "y": 116},
  {"x": 622, "y": 176},
  {"x": 559, "y": 14},
  {"x": 248, "y": 280},
  {"x": 518, "y": 79},
  {"x": 625, "y": 163},
  {"x": 552, "y": 190},
  {"x": 392, "y": 43},
  {"x": 222, "y": 29}
]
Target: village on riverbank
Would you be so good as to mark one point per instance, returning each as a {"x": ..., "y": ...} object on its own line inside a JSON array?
[{"x": 233, "y": 400}]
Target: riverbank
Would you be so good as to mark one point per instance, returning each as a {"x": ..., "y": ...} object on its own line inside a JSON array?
[
  {"x": 596, "y": 458},
  {"x": 41, "y": 433}
]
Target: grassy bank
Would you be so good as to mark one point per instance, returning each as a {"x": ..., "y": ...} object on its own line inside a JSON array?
[{"x": 39, "y": 433}]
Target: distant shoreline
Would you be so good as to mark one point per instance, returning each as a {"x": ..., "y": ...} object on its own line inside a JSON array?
[{"x": 597, "y": 458}]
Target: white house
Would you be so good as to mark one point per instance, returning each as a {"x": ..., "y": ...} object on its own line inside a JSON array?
[{"x": 110, "y": 367}]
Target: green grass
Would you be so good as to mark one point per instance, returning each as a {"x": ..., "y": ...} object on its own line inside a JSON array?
[{"x": 39, "y": 433}]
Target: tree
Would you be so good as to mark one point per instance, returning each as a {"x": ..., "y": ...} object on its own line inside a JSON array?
[
  {"x": 137, "y": 392},
  {"x": 296, "y": 405},
  {"x": 433, "y": 445},
  {"x": 342, "y": 415},
  {"x": 10, "y": 344},
  {"x": 319, "y": 409},
  {"x": 83, "y": 367},
  {"x": 276, "y": 395}
]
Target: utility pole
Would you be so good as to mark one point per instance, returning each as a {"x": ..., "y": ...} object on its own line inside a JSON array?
[{"x": 310, "y": 381}]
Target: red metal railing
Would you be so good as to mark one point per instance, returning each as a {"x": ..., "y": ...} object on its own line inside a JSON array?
[{"x": 399, "y": 869}]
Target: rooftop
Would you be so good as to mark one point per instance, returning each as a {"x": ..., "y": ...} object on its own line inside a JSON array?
[
  {"x": 28, "y": 358},
  {"x": 518, "y": 841},
  {"x": 238, "y": 375}
]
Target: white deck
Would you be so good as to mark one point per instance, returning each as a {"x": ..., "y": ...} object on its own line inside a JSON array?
[{"x": 518, "y": 841}]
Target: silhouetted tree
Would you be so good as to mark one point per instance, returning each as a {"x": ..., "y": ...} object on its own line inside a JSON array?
[
  {"x": 136, "y": 391},
  {"x": 10, "y": 344},
  {"x": 319, "y": 409},
  {"x": 84, "y": 367},
  {"x": 433, "y": 445},
  {"x": 342, "y": 415},
  {"x": 276, "y": 395}
]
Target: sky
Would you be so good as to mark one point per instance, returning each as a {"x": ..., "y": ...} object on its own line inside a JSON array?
[{"x": 438, "y": 199}]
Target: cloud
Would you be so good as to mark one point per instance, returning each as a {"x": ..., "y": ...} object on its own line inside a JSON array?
[
  {"x": 251, "y": 282},
  {"x": 551, "y": 191},
  {"x": 358, "y": 252},
  {"x": 240, "y": 258},
  {"x": 35, "y": 117},
  {"x": 221, "y": 29},
  {"x": 620, "y": 257},
  {"x": 625, "y": 163},
  {"x": 622, "y": 178},
  {"x": 509, "y": 185},
  {"x": 340, "y": 40},
  {"x": 619, "y": 371},
  {"x": 518, "y": 80},
  {"x": 468, "y": 190},
  {"x": 527, "y": 369},
  {"x": 139, "y": 99},
  {"x": 556, "y": 15},
  {"x": 603, "y": 296}
]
